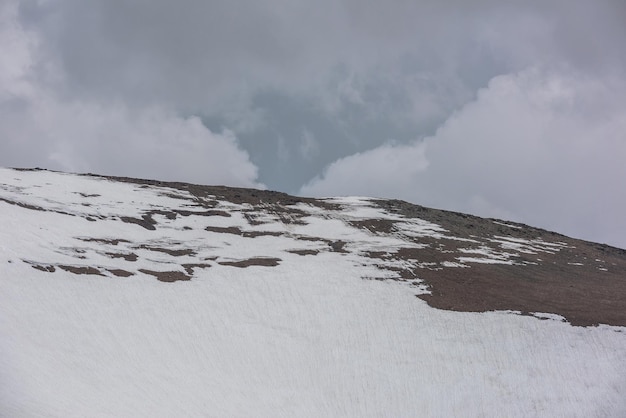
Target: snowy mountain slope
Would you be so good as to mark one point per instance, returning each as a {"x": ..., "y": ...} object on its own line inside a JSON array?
[{"x": 123, "y": 297}]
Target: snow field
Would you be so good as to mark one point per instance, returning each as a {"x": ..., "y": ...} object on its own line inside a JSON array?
[
  {"x": 307, "y": 338},
  {"x": 298, "y": 340}
]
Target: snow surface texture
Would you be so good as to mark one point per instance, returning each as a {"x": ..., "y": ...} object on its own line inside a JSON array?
[{"x": 266, "y": 316}]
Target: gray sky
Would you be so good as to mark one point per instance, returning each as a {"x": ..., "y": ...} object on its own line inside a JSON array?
[{"x": 511, "y": 109}]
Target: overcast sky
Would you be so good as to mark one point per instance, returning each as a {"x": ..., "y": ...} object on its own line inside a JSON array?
[{"x": 508, "y": 109}]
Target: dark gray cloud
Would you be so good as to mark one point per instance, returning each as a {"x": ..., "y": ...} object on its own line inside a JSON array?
[
  {"x": 286, "y": 88},
  {"x": 208, "y": 55}
]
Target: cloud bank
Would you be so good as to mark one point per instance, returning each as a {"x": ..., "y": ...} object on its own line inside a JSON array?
[
  {"x": 536, "y": 147},
  {"x": 40, "y": 127}
]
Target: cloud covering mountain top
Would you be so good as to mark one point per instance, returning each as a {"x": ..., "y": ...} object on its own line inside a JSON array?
[{"x": 287, "y": 95}]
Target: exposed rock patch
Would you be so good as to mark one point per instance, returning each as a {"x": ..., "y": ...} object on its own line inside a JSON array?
[
  {"x": 146, "y": 221},
  {"x": 167, "y": 276},
  {"x": 304, "y": 252},
  {"x": 257, "y": 261},
  {"x": 174, "y": 253},
  {"x": 81, "y": 270},
  {"x": 468, "y": 263},
  {"x": 191, "y": 267},
  {"x": 42, "y": 267},
  {"x": 125, "y": 256},
  {"x": 120, "y": 272},
  {"x": 105, "y": 240}
]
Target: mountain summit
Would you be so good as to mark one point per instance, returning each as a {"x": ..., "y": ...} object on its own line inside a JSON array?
[{"x": 128, "y": 297}]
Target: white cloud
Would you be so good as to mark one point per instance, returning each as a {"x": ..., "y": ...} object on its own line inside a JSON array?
[
  {"x": 40, "y": 127},
  {"x": 529, "y": 148},
  {"x": 113, "y": 139},
  {"x": 380, "y": 172}
]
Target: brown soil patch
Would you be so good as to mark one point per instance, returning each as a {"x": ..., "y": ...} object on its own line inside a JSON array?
[
  {"x": 190, "y": 268},
  {"x": 335, "y": 246},
  {"x": 104, "y": 240},
  {"x": 203, "y": 213},
  {"x": 304, "y": 252},
  {"x": 206, "y": 195},
  {"x": 286, "y": 215},
  {"x": 237, "y": 231},
  {"x": 120, "y": 272},
  {"x": 174, "y": 253},
  {"x": 584, "y": 282},
  {"x": 81, "y": 270},
  {"x": 224, "y": 229},
  {"x": 338, "y": 246},
  {"x": 33, "y": 207},
  {"x": 41, "y": 267},
  {"x": 254, "y": 234},
  {"x": 375, "y": 226},
  {"x": 23, "y": 205},
  {"x": 125, "y": 256},
  {"x": 584, "y": 299},
  {"x": 167, "y": 276},
  {"x": 258, "y": 261},
  {"x": 253, "y": 218},
  {"x": 146, "y": 221}
]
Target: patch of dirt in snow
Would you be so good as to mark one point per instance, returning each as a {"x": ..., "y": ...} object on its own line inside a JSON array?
[
  {"x": 81, "y": 270},
  {"x": 42, "y": 267},
  {"x": 105, "y": 240},
  {"x": 146, "y": 221},
  {"x": 376, "y": 226},
  {"x": 256, "y": 261},
  {"x": 174, "y": 253},
  {"x": 167, "y": 276},
  {"x": 237, "y": 231},
  {"x": 563, "y": 279},
  {"x": 125, "y": 256},
  {"x": 191, "y": 267},
  {"x": 304, "y": 252},
  {"x": 120, "y": 272},
  {"x": 467, "y": 263}
]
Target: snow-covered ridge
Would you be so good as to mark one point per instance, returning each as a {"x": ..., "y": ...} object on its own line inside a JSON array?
[
  {"x": 184, "y": 224},
  {"x": 117, "y": 227},
  {"x": 160, "y": 299}
]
